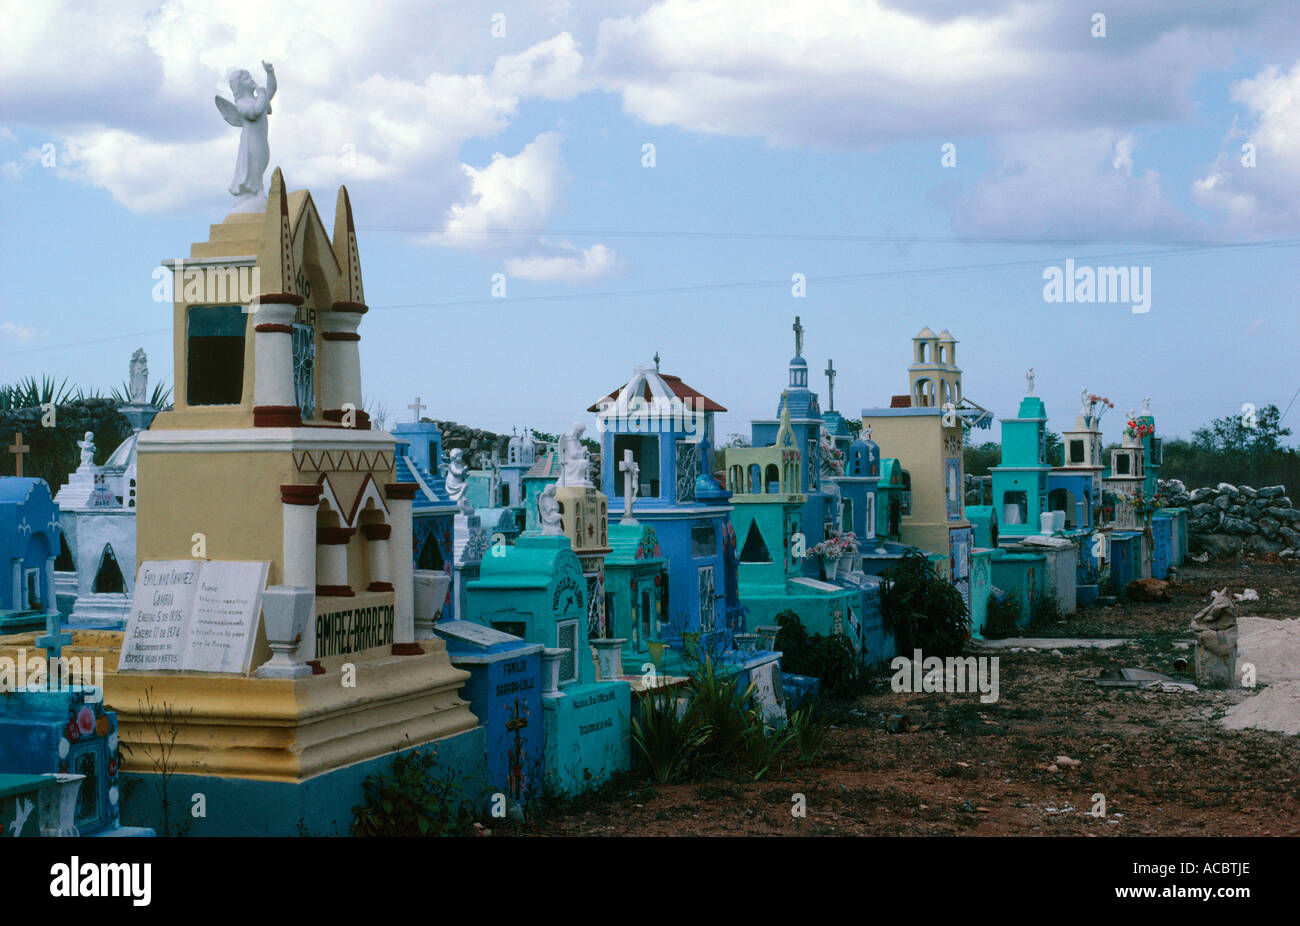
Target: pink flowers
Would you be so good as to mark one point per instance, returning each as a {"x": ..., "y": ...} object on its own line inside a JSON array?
[{"x": 86, "y": 720}]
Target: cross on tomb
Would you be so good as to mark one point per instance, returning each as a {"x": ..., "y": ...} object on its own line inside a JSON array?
[
  {"x": 830, "y": 378},
  {"x": 415, "y": 407},
  {"x": 18, "y": 449},
  {"x": 630, "y": 469},
  {"x": 54, "y": 639},
  {"x": 656, "y": 361},
  {"x": 798, "y": 337}
]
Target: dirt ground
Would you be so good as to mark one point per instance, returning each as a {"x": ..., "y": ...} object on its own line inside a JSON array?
[{"x": 1162, "y": 760}]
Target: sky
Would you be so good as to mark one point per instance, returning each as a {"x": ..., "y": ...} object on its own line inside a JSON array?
[{"x": 918, "y": 163}]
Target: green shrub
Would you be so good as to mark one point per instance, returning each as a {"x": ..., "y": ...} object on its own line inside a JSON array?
[
  {"x": 828, "y": 658},
  {"x": 808, "y": 728},
  {"x": 1044, "y": 609},
  {"x": 718, "y": 706},
  {"x": 667, "y": 739},
  {"x": 411, "y": 800},
  {"x": 1003, "y": 614},
  {"x": 922, "y": 610},
  {"x": 763, "y": 744}
]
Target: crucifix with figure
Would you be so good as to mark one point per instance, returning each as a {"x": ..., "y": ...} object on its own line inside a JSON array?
[
  {"x": 631, "y": 470},
  {"x": 798, "y": 337},
  {"x": 18, "y": 449},
  {"x": 830, "y": 380}
]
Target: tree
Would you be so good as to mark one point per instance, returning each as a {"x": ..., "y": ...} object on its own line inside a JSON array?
[
  {"x": 1255, "y": 436},
  {"x": 1053, "y": 450}
]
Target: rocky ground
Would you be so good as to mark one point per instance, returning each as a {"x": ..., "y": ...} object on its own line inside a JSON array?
[{"x": 1163, "y": 761}]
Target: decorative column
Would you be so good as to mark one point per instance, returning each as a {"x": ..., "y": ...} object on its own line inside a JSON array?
[
  {"x": 18, "y": 585},
  {"x": 275, "y": 404},
  {"x": 401, "y": 559},
  {"x": 342, "y": 362},
  {"x": 298, "y": 552},
  {"x": 332, "y": 561},
  {"x": 377, "y": 546}
]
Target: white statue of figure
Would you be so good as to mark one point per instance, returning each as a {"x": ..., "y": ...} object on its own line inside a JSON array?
[
  {"x": 1029, "y": 378},
  {"x": 87, "y": 450},
  {"x": 248, "y": 114},
  {"x": 457, "y": 482},
  {"x": 548, "y": 511},
  {"x": 1146, "y": 405},
  {"x": 1085, "y": 407},
  {"x": 575, "y": 459},
  {"x": 631, "y": 478},
  {"x": 139, "y": 377}
]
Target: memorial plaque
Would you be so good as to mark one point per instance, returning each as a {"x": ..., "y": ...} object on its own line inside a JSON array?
[{"x": 196, "y": 616}]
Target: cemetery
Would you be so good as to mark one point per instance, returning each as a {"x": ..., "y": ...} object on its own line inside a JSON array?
[{"x": 279, "y": 605}]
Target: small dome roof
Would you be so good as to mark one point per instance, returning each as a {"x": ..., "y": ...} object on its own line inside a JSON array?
[
  {"x": 797, "y": 361},
  {"x": 124, "y": 455}
]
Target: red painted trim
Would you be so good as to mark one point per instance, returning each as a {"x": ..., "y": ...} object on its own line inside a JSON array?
[
  {"x": 340, "y": 336},
  {"x": 376, "y": 531},
  {"x": 333, "y": 536},
  {"x": 400, "y": 490},
  {"x": 277, "y": 416},
  {"x": 280, "y": 299},
  {"x": 273, "y": 328},
  {"x": 334, "y": 591},
  {"x": 301, "y": 495},
  {"x": 379, "y": 587},
  {"x": 316, "y": 667},
  {"x": 407, "y": 649},
  {"x": 360, "y": 308},
  {"x": 336, "y": 415}
]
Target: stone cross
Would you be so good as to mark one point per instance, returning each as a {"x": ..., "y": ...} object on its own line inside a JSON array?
[
  {"x": 18, "y": 449},
  {"x": 1029, "y": 378},
  {"x": 415, "y": 407},
  {"x": 656, "y": 361},
  {"x": 830, "y": 379},
  {"x": 54, "y": 640},
  {"x": 631, "y": 470},
  {"x": 798, "y": 337}
]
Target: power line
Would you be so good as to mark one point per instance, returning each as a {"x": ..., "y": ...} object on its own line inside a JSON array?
[
  {"x": 800, "y": 236},
  {"x": 759, "y": 284}
]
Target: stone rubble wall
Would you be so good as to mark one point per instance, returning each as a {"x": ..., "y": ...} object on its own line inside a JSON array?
[
  {"x": 1227, "y": 520},
  {"x": 54, "y": 452},
  {"x": 977, "y": 488}
]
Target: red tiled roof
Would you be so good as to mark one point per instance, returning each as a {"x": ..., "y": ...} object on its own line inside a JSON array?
[
  {"x": 900, "y": 401},
  {"x": 679, "y": 388}
]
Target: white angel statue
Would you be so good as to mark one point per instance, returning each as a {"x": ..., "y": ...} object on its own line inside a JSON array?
[{"x": 248, "y": 114}]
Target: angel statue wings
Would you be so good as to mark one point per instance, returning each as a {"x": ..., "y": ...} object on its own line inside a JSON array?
[{"x": 248, "y": 114}]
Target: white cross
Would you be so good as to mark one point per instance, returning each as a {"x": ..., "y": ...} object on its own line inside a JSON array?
[
  {"x": 630, "y": 469},
  {"x": 415, "y": 407}
]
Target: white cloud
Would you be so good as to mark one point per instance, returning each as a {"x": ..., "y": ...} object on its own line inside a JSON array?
[
  {"x": 593, "y": 263},
  {"x": 1262, "y": 199},
  {"x": 22, "y": 334},
  {"x": 1069, "y": 185},
  {"x": 12, "y": 170},
  {"x": 512, "y": 192},
  {"x": 861, "y": 73},
  {"x": 549, "y": 69}
]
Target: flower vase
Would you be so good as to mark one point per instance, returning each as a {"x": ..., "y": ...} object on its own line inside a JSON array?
[
  {"x": 59, "y": 805},
  {"x": 831, "y": 568}
]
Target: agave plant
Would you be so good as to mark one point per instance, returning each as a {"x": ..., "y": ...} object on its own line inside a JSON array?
[
  {"x": 161, "y": 397},
  {"x": 28, "y": 393},
  {"x": 667, "y": 737}
]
